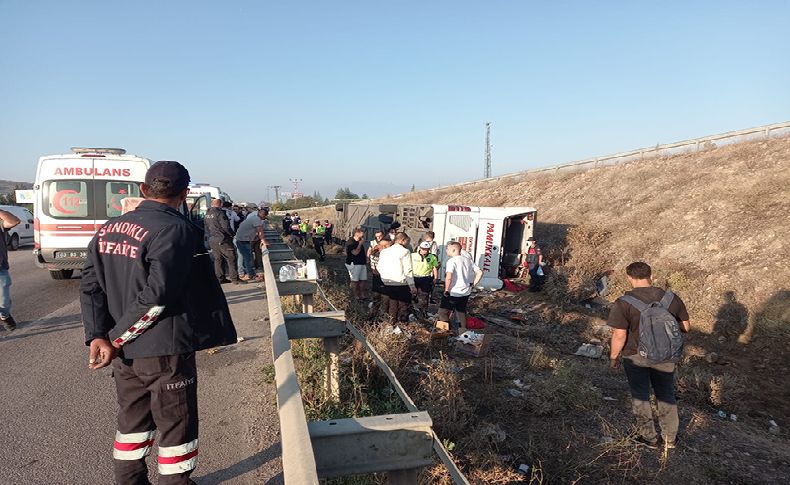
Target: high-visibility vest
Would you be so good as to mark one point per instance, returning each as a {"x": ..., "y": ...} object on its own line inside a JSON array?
[
  {"x": 319, "y": 230},
  {"x": 423, "y": 266},
  {"x": 303, "y": 227}
]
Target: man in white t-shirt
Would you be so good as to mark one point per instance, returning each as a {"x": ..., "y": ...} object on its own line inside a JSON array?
[{"x": 462, "y": 274}]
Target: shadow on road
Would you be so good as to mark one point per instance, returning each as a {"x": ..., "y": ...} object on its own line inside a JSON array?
[
  {"x": 43, "y": 326},
  {"x": 245, "y": 295},
  {"x": 247, "y": 465}
]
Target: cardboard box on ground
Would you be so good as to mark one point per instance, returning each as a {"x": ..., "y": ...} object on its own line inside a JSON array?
[{"x": 477, "y": 348}]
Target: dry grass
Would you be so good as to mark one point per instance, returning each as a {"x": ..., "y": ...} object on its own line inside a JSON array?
[
  {"x": 441, "y": 393},
  {"x": 584, "y": 258}
]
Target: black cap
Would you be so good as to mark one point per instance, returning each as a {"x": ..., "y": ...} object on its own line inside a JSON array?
[
  {"x": 173, "y": 174},
  {"x": 530, "y": 238}
]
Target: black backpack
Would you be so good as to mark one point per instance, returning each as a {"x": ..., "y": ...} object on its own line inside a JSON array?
[{"x": 660, "y": 338}]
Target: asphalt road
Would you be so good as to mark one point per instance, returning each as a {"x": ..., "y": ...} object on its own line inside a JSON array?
[{"x": 57, "y": 418}]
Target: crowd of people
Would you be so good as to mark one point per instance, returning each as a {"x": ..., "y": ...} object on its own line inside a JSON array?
[
  {"x": 298, "y": 231},
  {"x": 403, "y": 276},
  {"x": 235, "y": 236}
]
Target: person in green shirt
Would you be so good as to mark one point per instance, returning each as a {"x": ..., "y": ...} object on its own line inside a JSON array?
[
  {"x": 318, "y": 239},
  {"x": 425, "y": 266},
  {"x": 304, "y": 228}
]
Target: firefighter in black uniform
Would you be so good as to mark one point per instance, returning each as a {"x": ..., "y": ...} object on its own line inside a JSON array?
[
  {"x": 148, "y": 296},
  {"x": 220, "y": 238}
]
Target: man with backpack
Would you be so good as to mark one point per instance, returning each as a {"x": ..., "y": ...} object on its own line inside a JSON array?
[{"x": 647, "y": 324}]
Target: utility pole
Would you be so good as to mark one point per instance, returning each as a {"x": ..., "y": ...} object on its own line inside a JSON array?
[
  {"x": 276, "y": 192},
  {"x": 487, "y": 172}
]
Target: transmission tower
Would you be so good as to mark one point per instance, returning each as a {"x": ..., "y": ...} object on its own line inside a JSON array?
[
  {"x": 487, "y": 172},
  {"x": 296, "y": 194}
]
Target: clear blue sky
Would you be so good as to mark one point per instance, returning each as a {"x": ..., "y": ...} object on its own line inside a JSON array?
[{"x": 380, "y": 95}]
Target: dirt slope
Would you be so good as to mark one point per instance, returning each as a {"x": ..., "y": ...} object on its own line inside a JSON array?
[
  {"x": 719, "y": 218},
  {"x": 714, "y": 225}
]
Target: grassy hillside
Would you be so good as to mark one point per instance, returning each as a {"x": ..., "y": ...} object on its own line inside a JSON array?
[
  {"x": 714, "y": 221},
  {"x": 714, "y": 226}
]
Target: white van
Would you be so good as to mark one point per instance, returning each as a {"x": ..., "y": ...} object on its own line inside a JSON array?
[
  {"x": 213, "y": 191},
  {"x": 22, "y": 233},
  {"x": 75, "y": 194}
]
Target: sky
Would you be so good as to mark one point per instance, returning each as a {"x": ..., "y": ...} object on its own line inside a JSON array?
[{"x": 380, "y": 96}]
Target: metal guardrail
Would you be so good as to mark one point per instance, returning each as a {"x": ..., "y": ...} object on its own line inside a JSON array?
[
  {"x": 297, "y": 449},
  {"x": 399, "y": 444},
  {"x": 686, "y": 146}
]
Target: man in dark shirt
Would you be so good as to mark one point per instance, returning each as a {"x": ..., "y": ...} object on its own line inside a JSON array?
[
  {"x": 641, "y": 373},
  {"x": 356, "y": 263},
  {"x": 220, "y": 239},
  {"x": 147, "y": 297}
]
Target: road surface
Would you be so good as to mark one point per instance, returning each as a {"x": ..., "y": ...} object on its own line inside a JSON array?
[{"x": 58, "y": 418}]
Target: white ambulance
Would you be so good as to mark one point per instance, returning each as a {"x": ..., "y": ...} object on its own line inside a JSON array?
[
  {"x": 75, "y": 194},
  {"x": 212, "y": 191}
]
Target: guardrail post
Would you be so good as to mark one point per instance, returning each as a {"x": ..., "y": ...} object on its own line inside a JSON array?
[
  {"x": 307, "y": 303},
  {"x": 332, "y": 385},
  {"x": 403, "y": 477}
]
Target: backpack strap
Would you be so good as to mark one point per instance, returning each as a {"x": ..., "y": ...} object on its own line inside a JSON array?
[
  {"x": 667, "y": 299},
  {"x": 635, "y": 302}
]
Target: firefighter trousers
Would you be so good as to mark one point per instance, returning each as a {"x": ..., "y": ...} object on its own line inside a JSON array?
[{"x": 156, "y": 393}]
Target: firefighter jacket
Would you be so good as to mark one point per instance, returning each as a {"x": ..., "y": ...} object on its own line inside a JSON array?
[
  {"x": 148, "y": 286},
  {"x": 218, "y": 226}
]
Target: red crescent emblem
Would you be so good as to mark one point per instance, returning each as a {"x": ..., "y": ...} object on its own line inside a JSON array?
[
  {"x": 115, "y": 205},
  {"x": 57, "y": 204}
]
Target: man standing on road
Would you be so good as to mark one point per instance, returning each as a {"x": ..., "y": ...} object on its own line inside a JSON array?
[
  {"x": 148, "y": 297},
  {"x": 642, "y": 374},
  {"x": 396, "y": 272},
  {"x": 233, "y": 218},
  {"x": 7, "y": 221},
  {"x": 461, "y": 275},
  {"x": 220, "y": 239},
  {"x": 251, "y": 229}
]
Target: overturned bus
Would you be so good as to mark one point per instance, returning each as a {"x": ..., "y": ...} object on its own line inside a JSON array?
[{"x": 495, "y": 237}]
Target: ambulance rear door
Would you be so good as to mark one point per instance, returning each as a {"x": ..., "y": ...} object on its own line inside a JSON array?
[{"x": 65, "y": 212}]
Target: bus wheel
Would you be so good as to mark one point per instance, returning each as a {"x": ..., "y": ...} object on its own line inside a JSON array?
[{"x": 61, "y": 274}]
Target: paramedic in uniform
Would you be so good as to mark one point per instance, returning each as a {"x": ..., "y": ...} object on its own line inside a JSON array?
[{"x": 149, "y": 302}]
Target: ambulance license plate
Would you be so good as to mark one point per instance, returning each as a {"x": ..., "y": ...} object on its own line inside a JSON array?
[{"x": 71, "y": 254}]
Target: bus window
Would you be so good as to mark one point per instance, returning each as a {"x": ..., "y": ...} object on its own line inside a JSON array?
[{"x": 67, "y": 199}]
